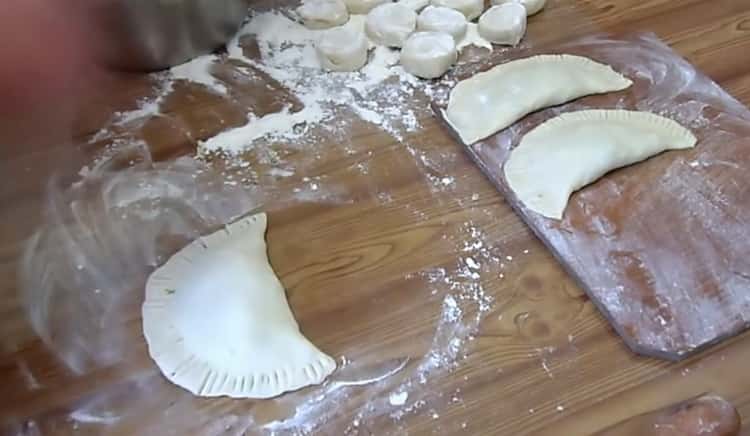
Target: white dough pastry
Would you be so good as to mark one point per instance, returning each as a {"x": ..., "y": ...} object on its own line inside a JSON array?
[
  {"x": 493, "y": 100},
  {"x": 429, "y": 54},
  {"x": 532, "y": 6},
  {"x": 442, "y": 19},
  {"x": 323, "y": 14},
  {"x": 415, "y": 5},
  {"x": 504, "y": 24},
  {"x": 574, "y": 149},
  {"x": 363, "y": 6},
  {"x": 343, "y": 48},
  {"x": 390, "y": 24},
  {"x": 217, "y": 322},
  {"x": 470, "y": 8}
]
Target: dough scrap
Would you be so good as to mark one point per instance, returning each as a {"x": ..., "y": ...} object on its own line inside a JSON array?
[
  {"x": 442, "y": 19},
  {"x": 390, "y": 24},
  {"x": 429, "y": 54},
  {"x": 504, "y": 24},
  {"x": 493, "y": 100},
  {"x": 415, "y": 5},
  {"x": 532, "y": 6},
  {"x": 363, "y": 6},
  {"x": 470, "y": 8},
  {"x": 343, "y": 48},
  {"x": 217, "y": 321},
  {"x": 570, "y": 151},
  {"x": 323, "y": 14}
]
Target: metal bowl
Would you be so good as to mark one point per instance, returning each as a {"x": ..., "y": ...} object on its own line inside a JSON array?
[{"x": 147, "y": 35}]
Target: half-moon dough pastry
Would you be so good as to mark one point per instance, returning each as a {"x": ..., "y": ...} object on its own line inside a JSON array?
[
  {"x": 493, "y": 100},
  {"x": 217, "y": 322},
  {"x": 574, "y": 149},
  {"x": 504, "y": 24},
  {"x": 532, "y": 6},
  {"x": 429, "y": 54},
  {"x": 415, "y": 5},
  {"x": 442, "y": 19},
  {"x": 390, "y": 24},
  {"x": 470, "y": 8},
  {"x": 362, "y": 6},
  {"x": 323, "y": 14},
  {"x": 343, "y": 48}
]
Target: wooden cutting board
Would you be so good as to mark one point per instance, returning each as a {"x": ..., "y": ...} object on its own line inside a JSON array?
[{"x": 660, "y": 247}]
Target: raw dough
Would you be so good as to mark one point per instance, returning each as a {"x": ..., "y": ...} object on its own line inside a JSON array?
[
  {"x": 574, "y": 149},
  {"x": 217, "y": 322},
  {"x": 470, "y": 8},
  {"x": 442, "y": 19},
  {"x": 415, "y": 5},
  {"x": 532, "y": 6},
  {"x": 473, "y": 37},
  {"x": 343, "y": 48},
  {"x": 390, "y": 24},
  {"x": 504, "y": 24},
  {"x": 495, "y": 99},
  {"x": 362, "y": 6},
  {"x": 323, "y": 14},
  {"x": 429, "y": 54}
]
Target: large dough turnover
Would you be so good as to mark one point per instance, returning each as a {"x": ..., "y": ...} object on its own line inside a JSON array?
[
  {"x": 217, "y": 322},
  {"x": 504, "y": 24},
  {"x": 429, "y": 54},
  {"x": 532, "y": 6},
  {"x": 442, "y": 19},
  {"x": 470, "y": 8},
  {"x": 362, "y": 6},
  {"x": 343, "y": 48},
  {"x": 390, "y": 24},
  {"x": 323, "y": 14},
  {"x": 574, "y": 149},
  {"x": 493, "y": 100}
]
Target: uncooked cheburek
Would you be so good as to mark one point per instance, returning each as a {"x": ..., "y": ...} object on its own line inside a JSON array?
[
  {"x": 493, "y": 100},
  {"x": 574, "y": 149},
  {"x": 217, "y": 322}
]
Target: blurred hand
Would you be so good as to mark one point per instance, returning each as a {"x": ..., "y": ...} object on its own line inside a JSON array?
[{"x": 47, "y": 68}]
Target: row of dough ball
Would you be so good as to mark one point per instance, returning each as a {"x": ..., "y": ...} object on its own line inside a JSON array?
[{"x": 427, "y": 40}]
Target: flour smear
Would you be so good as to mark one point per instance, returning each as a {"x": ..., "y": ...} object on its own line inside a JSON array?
[{"x": 326, "y": 105}]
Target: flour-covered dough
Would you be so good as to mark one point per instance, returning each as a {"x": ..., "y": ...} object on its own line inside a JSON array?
[
  {"x": 362, "y": 6},
  {"x": 217, "y": 322},
  {"x": 532, "y": 6},
  {"x": 429, "y": 54},
  {"x": 442, "y": 19},
  {"x": 343, "y": 48},
  {"x": 503, "y": 24},
  {"x": 493, "y": 100},
  {"x": 323, "y": 14},
  {"x": 415, "y": 5},
  {"x": 470, "y": 8},
  {"x": 574, "y": 149},
  {"x": 390, "y": 24}
]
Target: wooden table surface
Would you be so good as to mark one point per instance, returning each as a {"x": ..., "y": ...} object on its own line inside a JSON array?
[{"x": 370, "y": 261}]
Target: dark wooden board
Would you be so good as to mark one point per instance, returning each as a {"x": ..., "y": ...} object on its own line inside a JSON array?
[{"x": 660, "y": 247}]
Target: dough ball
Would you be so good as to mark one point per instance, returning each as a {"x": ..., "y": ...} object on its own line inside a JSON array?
[
  {"x": 503, "y": 24},
  {"x": 322, "y": 14},
  {"x": 532, "y": 6},
  {"x": 343, "y": 48},
  {"x": 415, "y": 5},
  {"x": 470, "y": 8},
  {"x": 429, "y": 54},
  {"x": 442, "y": 19},
  {"x": 390, "y": 24},
  {"x": 362, "y": 6}
]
